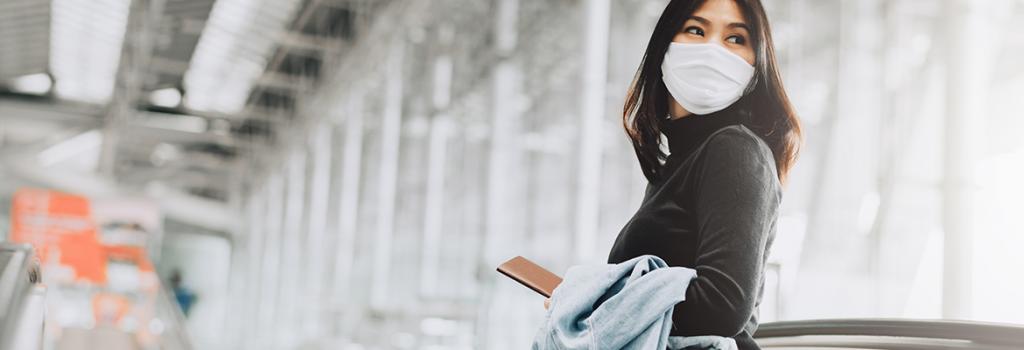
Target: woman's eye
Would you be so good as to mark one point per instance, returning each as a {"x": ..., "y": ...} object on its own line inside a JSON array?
[
  {"x": 695, "y": 31},
  {"x": 736, "y": 39}
]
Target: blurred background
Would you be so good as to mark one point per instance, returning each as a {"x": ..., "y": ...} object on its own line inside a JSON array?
[{"x": 346, "y": 174}]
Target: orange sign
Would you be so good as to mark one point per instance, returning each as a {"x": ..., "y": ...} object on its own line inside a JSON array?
[{"x": 61, "y": 228}]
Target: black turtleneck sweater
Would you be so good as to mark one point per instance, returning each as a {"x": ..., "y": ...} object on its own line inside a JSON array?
[{"x": 714, "y": 209}]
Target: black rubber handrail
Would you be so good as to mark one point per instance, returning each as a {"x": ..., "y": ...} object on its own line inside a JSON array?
[{"x": 975, "y": 332}]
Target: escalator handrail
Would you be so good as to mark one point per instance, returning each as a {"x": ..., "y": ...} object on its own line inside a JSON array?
[
  {"x": 19, "y": 278},
  {"x": 17, "y": 275},
  {"x": 975, "y": 332},
  {"x": 175, "y": 319}
]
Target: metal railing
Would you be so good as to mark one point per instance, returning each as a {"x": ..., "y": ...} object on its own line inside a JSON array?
[
  {"x": 889, "y": 334},
  {"x": 174, "y": 336},
  {"x": 22, "y": 303}
]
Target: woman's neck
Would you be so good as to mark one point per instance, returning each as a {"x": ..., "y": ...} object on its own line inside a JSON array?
[{"x": 676, "y": 111}]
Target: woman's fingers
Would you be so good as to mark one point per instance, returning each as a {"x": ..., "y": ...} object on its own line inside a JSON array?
[{"x": 547, "y": 303}]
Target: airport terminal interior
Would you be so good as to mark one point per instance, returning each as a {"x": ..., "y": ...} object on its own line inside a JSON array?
[{"x": 347, "y": 174}]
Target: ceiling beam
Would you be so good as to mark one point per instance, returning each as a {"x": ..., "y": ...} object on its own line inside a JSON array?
[
  {"x": 295, "y": 42},
  {"x": 166, "y": 65},
  {"x": 284, "y": 81},
  {"x": 278, "y": 57},
  {"x": 174, "y": 203},
  {"x": 47, "y": 109}
]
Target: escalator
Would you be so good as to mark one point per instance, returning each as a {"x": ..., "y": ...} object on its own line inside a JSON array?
[{"x": 24, "y": 324}]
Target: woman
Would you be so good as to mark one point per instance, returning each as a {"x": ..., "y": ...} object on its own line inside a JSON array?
[{"x": 710, "y": 83}]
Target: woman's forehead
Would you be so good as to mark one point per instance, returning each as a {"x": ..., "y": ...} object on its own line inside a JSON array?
[{"x": 720, "y": 11}]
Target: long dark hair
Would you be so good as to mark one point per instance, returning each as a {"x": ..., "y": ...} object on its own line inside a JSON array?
[{"x": 766, "y": 107}]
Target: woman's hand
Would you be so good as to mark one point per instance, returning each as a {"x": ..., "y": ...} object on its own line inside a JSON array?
[{"x": 547, "y": 303}]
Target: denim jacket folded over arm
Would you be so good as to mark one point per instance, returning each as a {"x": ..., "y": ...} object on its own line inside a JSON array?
[{"x": 620, "y": 306}]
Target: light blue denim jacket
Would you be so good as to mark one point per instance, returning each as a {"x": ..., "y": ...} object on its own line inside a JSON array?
[{"x": 620, "y": 306}]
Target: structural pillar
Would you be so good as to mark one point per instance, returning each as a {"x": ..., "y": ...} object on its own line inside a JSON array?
[
  {"x": 965, "y": 89},
  {"x": 592, "y": 109}
]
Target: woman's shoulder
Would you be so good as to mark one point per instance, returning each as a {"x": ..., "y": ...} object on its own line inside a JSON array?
[
  {"x": 737, "y": 137},
  {"x": 738, "y": 148}
]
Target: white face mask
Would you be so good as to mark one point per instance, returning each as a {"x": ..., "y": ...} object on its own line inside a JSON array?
[{"x": 704, "y": 78}]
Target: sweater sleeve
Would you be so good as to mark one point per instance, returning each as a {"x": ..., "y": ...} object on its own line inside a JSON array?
[{"x": 737, "y": 198}]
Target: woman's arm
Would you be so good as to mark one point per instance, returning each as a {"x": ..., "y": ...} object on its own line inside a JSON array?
[{"x": 737, "y": 199}]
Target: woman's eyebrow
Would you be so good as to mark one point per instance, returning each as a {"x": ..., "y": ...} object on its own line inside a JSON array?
[
  {"x": 739, "y": 25},
  {"x": 700, "y": 19},
  {"x": 707, "y": 22}
]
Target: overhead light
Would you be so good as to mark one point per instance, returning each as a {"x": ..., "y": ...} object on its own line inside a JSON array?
[
  {"x": 168, "y": 97},
  {"x": 233, "y": 51},
  {"x": 164, "y": 153},
  {"x": 86, "y": 38},
  {"x": 35, "y": 84}
]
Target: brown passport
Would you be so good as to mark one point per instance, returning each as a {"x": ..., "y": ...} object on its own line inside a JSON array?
[{"x": 530, "y": 275}]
